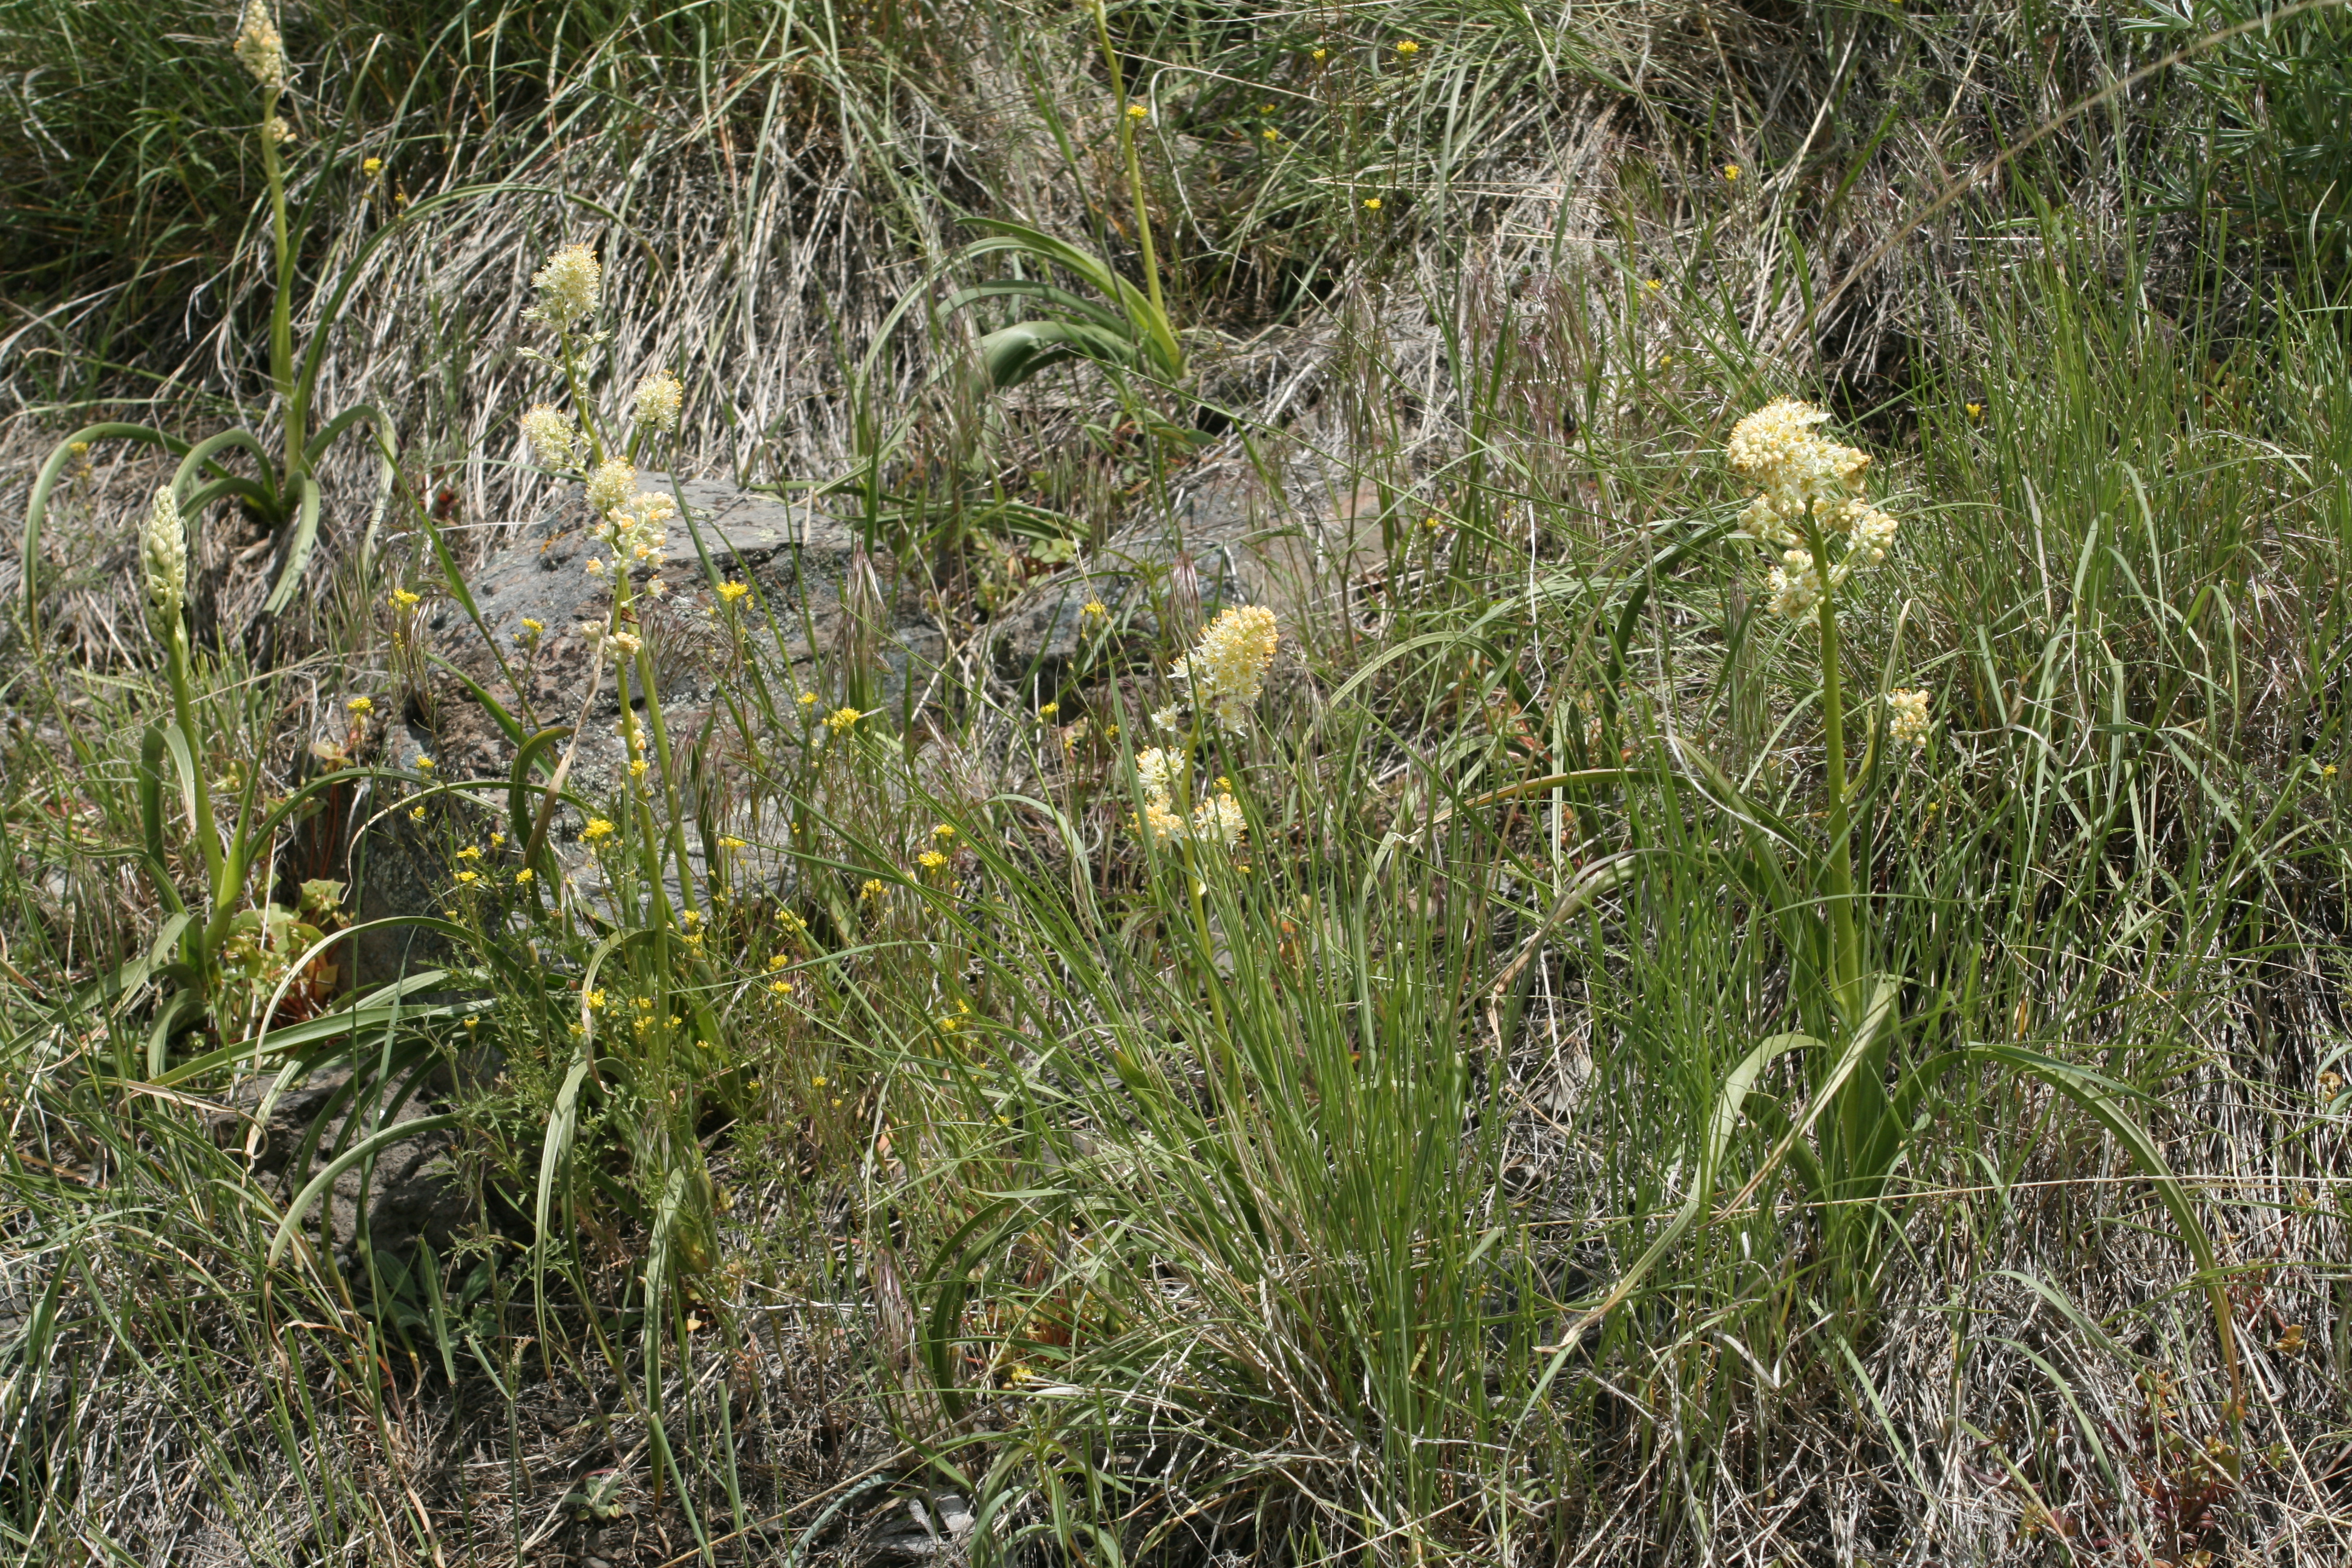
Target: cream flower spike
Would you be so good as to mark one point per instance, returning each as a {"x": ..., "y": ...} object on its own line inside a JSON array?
[
  {"x": 259, "y": 49},
  {"x": 567, "y": 287},
  {"x": 1227, "y": 669},
  {"x": 164, "y": 556},
  {"x": 554, "y": 439},
  {"x": 657, "y": 399}
]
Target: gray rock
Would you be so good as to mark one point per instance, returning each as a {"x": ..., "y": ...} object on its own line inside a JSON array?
[
  {"x": 1295, "y": 535},
  {"x": 533, "y": 654}
]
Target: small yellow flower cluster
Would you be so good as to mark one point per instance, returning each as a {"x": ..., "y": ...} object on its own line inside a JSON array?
[
  {"x": 401, "y": 599},
  {"x": 730, "y": 591},
  {"x": 567, "y": 287},
  {"x": 1227, "y": 669},
  {"x": 360, "y": 707},
  {"x": 729, "y": 841},
  {"x": 554, "y": 439},
  {"x": 597, "y": 830},
  {"x": 259, "y": 49},
  {"x": 1907, "y": 716},
  {"x": 931, "y": 861},
  {"x": 841, "y": 719},
  {"x": 1407, "y": 48},
  {"x": 872, "y": 887},
  {"x": 1805, "y": 484},
  {"x": 1217, "y": 821}
]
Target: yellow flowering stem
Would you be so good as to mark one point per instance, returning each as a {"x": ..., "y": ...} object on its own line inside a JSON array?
[{"x": 1134, "y": 160}]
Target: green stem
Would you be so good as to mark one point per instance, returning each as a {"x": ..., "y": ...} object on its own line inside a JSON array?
[
  {"x": 1134, "y": 161},
  {"x": 669, "y": 780},
  {"x": 1845, "y": 948},
  {"x": 184, "y": 710},
  {"x": 281, "y": 307}
]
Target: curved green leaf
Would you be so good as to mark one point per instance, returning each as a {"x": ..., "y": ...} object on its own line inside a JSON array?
[
  {"x": 383, "y": 1138},
  {"x": 37, "y": 506}
]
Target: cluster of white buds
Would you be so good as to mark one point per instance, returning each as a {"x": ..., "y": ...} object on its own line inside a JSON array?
[
  {"x": 1907, "y": 716},
  {"x": 164, "y": 558},
  {"x": 1805, "y": 484},
  {"x": 658, "y": 397},
  {"x": 1227, "y": 669},
  {"x": 1217, "y": 820},
  {"x": 259, "y": 49},
  {"x": 554, "y": 438},
  {"x": 567, "y": 288}
]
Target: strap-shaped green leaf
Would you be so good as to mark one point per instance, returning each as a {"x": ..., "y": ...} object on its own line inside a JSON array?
[{"x": 381, "y": 1138}]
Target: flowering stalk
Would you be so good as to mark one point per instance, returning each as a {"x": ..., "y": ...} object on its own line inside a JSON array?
[{"x": 1134, "y": 161}]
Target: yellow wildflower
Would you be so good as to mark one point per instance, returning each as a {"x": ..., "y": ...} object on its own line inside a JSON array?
[
  {"x": 871, "y": 888},
  {"x": 808, "y": 698},
  {"x": 730, "y": 591},
  {"x": 401, "y": 599},
  {"x": 931, "y": 861},
  {"x": 1137, "y": 111},
  {"x": 729, "y": 841},
  {"x": 424, "y": 764},
  {"x": 1372, "y": 204},
  {"x": 1047, "y": 710},
  {"x": 371, "y": 167},
  {"x": 522, "y": 876},
  {"x": 1731, "y": 172},
  {"x": 469, "y": 877},
  {"x": 943, "y": 832},
  {"x": 597, "y": 830},
  {"x": 469, "y": 853},
  {"x": 1094, "y": 611},
  {"x": 361, "y": 706},
  {"x": 781, "y": 987},
  {"x": 1976, "y": 411},
  {"x": 1407, "y": 48},
  {"x": 841, "y": 719}
]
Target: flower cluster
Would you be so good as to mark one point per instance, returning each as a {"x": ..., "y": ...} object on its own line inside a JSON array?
[
  {"x": 259, "y": 49},
  {"x": 164, "y": 557},
  {"x": 1907, "y": 716},
  {"x": 1805, "y": 484},
  {"x": 658, "y": 397},
  {"x": 554, "y": 438},
  {"x": 635, "y": 522},
  {"x": 1227, "y": 669},
  {"x": 1217, "y": 820},
  {"x": 567, "y": 287}
]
